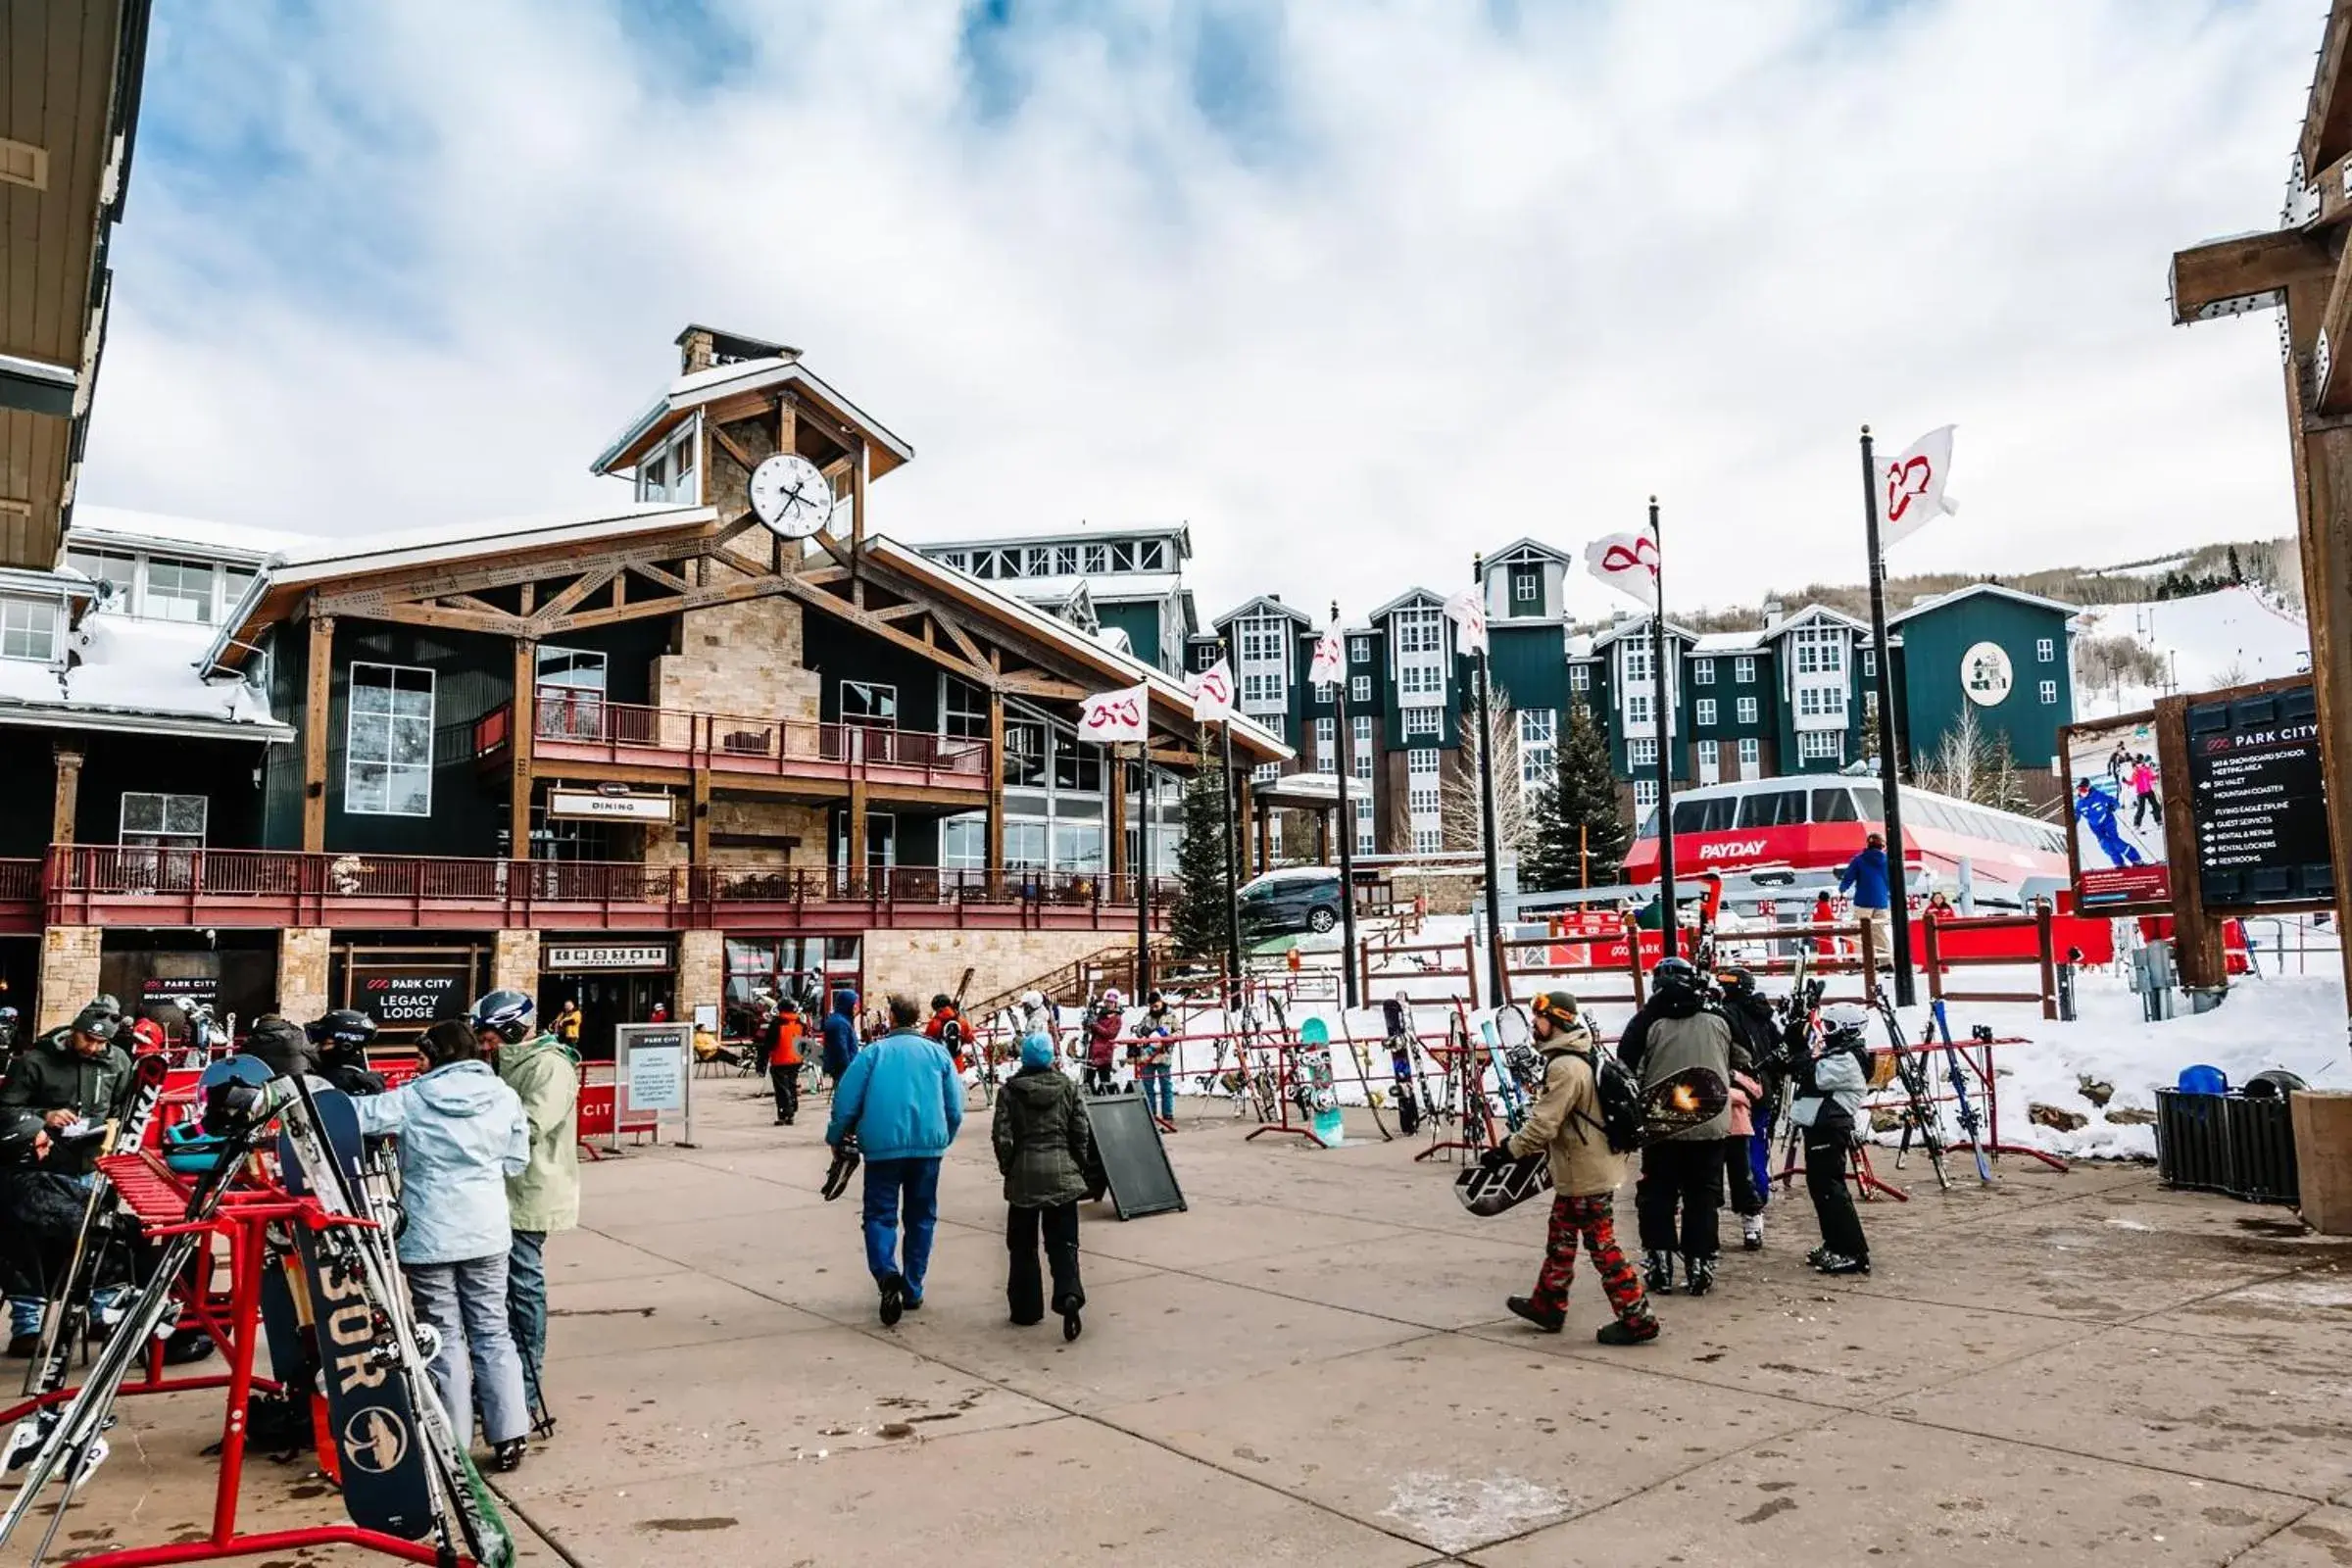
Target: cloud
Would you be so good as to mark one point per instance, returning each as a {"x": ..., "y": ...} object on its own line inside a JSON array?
[{"x": 1356, "y": 290}]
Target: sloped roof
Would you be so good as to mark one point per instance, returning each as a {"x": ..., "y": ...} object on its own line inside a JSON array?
[
  {"x": 1943, "y": 601},
  {"x": 119, "y": 528},
  {"x": 701, "y": 387},
  {"x": 1814, "y": 613},
  {"x": 136, "y": 675},
  {"x": 1640, "y": 623},
  {"x": 1411, "y": 596},
  {"x": 1263, "y": 602},
  {"x": 1522, "y": 548}
]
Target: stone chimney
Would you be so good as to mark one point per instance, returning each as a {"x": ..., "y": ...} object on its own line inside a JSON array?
[
  {"x": 695, "y": 350},
  {"x": 1773, "y": 613}
]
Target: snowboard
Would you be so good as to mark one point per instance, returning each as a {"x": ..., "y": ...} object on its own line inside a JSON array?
[
  {"x": 1685, "y": 1099},
  {"x": 386, "y": 1484},
  {"x": 1488, "y": 1189},
  {"x": 844, "y": 1166},
  {"x": 1317, "y": 1095}
]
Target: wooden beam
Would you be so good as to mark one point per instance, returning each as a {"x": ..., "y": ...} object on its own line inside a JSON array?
[
  {"x": 2330, "y": 381},
  {"x": 995, "y": 784},
  {"x": 883, "y": 630},
  {"x": 726, "y": 443},
  {"x": 429, "y": 584},
  {"x": 316, "y": 715},
  {"x": 64, "y": 801},
  {"x": 698, "y": 817},
  {"x": 2245, "y": 273},
  {"x": 652, "y": 573},
  {"x": 898, "y": 613},
  {"x": 407, "y": 615},
  {"x": 479, "y": 607},
  {"x": 522, "y": 727},
  {"x": 588, "y": 583},
  {"x": 672, "y": 604},
  {"x": 2327, "y": 117},
  {"x": 1029, "y": 683},
  {"x": 856, "y": 868}
]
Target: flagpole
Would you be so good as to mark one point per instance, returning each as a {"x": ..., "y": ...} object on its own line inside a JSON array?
[
  {"x": 1347, "y": 826},
  {"x": 1485, "y": 806},
  {"x": 1142, "y": 878},
  {"x": 1233, "y": 896},
  {"x": 1669, "y": 937},
  {"x": 1890, "y": 768}
]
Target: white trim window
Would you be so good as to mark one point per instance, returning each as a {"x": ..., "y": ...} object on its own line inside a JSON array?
[
  {"x": 1429, "y": 841},
  {"x": 1645, "y": 794},
  {"x": 1747, "y": 709},
  {"x": 2045, "y": 650},
  {"x": 1327, "y": 745},
  {"x": 157, "y": 821},
  {"x": 1640, "y": 754},
  {"x": 1703, "y": 710},
  {"x": 1538, "y": 747},
  {"x": 1821, "y": 746},
  {"x": 1579, "y": 678},
  {"x": 1359, "y": 687},
  {"x": 1702, "y": 672},
  {"x": 1710, "y": 762},
  {"x": 1751, "y": 754},
  {"x": 1420, "y": 680},
  {"x": 1361, "y": 761},
  {"x": 1637, "y": 660},
  {"x": 1821, "y": 702},
  {"x": 388, "y": 741},
  {"x": 1870, "y": 664},
  {"x": 669, "y": 474},
  {"x": 1365, "y": 843},
  {"x": 1419, "y": 635},
  {"x": 1423, "y": 721},
  {"x": 1262, "y": 644},
  {"x": 1422, "y": 796},
  {"x": 1636, "y": 708},
  {"x": 1744, "y": 669},
  {"x": 2049, "y": 694},
  {"x": 29, "y": 631},
  {"x": 1820, "y": 649}
]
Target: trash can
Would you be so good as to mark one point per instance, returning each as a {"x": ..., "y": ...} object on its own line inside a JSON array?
[
  {"x": 2243, "y": 1145},
  {"x": 2193, "y": 1141},
  {"x": 2322, "y": 1120}
]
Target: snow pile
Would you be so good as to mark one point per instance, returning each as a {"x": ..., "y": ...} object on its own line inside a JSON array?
[{"x": 2232, "y": 635}]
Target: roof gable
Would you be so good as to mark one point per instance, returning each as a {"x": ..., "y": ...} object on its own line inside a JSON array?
[
  {"x": 1519, "y": 550},
  {"x": 2002, "y": 590},
  {"x": 1813, "y": 615},
  {"x": 1263, "y": 605},
  {"x": 1410, "y": 599}
]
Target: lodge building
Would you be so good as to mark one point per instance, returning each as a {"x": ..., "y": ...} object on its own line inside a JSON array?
[{"x": 647, "y": 754}]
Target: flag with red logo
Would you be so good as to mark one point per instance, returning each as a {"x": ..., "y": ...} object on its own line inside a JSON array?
[
  {"x": 1911, "y": 487},
  {"x": 1467, "y": 610},
  {"x": 1627, "y": 562},
  {"x": 1212, "y": 692},
  {"x": 1109, "y": 717},
  {"x": 1330, "y": 663}
]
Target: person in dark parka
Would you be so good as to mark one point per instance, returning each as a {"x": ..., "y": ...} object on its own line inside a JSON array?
[{"x": 1045, "y": 1147}]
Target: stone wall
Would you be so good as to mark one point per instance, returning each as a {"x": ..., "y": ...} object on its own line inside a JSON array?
[
  {"x": 923, "y": 963},
  {"x": 302, "y": 972},
  {"x": 514, "y": 961},
  {"x": 743, "y": 657},
  {"x": 702, "y": 973},
  {"x": 68, "y": 973},
  {"x": 752, "y": 815}
]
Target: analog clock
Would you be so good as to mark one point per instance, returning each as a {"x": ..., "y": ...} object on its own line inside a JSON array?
[{"x": 790, "y": 496}]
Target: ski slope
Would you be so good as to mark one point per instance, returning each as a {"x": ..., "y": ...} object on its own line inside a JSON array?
[{"x": 2208, "y": 640}]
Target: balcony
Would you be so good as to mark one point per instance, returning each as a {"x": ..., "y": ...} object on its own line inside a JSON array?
[
  {"x": 110, "y": 885},
  {"x": 570, "y": 725}
]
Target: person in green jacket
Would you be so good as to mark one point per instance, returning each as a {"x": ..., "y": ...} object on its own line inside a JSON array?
[
  {"x": 546, "y": 1198},
  {"x": 1045, "y": 1146}
]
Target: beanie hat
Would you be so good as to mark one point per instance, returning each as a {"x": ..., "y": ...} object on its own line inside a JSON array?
[{"x": 1037, "y": 1050}]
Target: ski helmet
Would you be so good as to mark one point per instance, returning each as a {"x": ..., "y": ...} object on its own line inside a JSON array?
[
  {"x": 1560, "y": 1006},
  {"x": 1844, "y": 1024},
  {"x": 1033, "y": 1000},
  {"x": 508, "y": 1015},
  {"x": 1737, "y": 980},
  {"x": 344, "y": 1026},
  {"x": 942, "y": 1000},
  {"x": 1110, "y": 996},
  {"x": 1674, "y": 977}
]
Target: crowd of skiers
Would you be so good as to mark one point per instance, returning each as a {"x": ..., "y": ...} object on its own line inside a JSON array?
[
  {"x": 1687, "y": 1026},
  {"x": 487, "y": 1159}
]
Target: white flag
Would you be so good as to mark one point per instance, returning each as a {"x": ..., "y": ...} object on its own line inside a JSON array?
[
  {"x": 1468, "y": 610},
  {"x": 1212, "y": 692},
  {"x": 1627, "y": 562},
  {"x": 1109, "y": 717},
  {"x": 1911, "y": 488},
  {"x": 1330, "y": 663}
]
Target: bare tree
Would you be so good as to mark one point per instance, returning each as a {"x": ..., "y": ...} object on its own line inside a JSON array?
[
  {"x": 1460, "y": 810},
  {"x": 1972, "y": 764}
]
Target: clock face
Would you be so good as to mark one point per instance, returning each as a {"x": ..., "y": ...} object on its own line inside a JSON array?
[{"x": 790, "y": 496}]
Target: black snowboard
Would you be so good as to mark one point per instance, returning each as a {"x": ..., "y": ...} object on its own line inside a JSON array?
[
  {"x": 1669, "y": 1106},
  {"x": 1488, "y": 1190}
]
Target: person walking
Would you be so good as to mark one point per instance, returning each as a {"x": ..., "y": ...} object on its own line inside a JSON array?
[
  {"x": 1682, "y": 1173},
  {"x": 1102, "y": 1026},
  {"x": 1045, "y": 1146},
  {"x": 566, "y": 1027},
  {"x": 463, "y": 1135},
  {"x": 840, "y": 1044},
  {"x": 945, "y": 1026},
  {"x": 1565, "y": 1126},
  {"x": 545, "y": 1197},
  {"x": 1754, "y": 1095},
  {"x": 782, "y": 1045},
  {"x": 1865, "y": 876},
  {"x": 904, "y": 1100},
  {"x": 1829, "y": 1095}
]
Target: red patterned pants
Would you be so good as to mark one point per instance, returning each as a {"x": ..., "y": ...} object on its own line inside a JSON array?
[{"x": 1592, "y": 1219}]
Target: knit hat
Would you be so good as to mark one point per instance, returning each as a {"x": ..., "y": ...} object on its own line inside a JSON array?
[{"x": 1037, "y": 1050}]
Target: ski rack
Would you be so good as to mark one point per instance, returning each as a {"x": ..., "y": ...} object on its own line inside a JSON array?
[
  {"x": 1859, "y": 1170},
  {"x": 1467, "y": 1075},
  {"x": 158, "y": 1200},
  {"x": 1285, "y": 1047}
]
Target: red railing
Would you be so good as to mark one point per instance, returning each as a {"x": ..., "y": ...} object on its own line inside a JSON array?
[{"x": 568, "y": 723}]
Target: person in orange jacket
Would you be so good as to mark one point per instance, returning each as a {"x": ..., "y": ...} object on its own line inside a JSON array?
[{"x": 783, "y": 1051}]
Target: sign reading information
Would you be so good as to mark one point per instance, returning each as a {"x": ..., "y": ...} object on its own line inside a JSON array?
[{"x": 2260, "y": 806}]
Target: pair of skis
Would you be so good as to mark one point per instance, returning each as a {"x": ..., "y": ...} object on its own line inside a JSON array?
[{"x": 1913, "y": 1068}]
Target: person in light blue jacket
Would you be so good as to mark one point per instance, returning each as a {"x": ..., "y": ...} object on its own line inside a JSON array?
[
  {"x": 904, "y": 1100},
  {"x": 462, "y": 1133}
]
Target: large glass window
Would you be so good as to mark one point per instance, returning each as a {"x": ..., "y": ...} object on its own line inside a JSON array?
[
  {"x": 1024, "y": 843},
  {"x": 964, "y": 842},
  {"x": 105, "y": 566},
  {"x": 1024, "y": 757},
  {"x": 1834, "y": 806},
  {"x": 157, "y": 821},
  {"x": 1077, "y": 765},
  {"x": 28, "y": 630},
  {"x": 962, "y": 710},
  {"x": 388, "y": 741},
  {"x": 575, "y": 668},
  {"x": 1418, "y": 631},
  {"x": 1773, "y": 809},
  {"x": 1538, "y": 746},
  {"x": 866, "y": 702},
  {"x": 1077, "y": 846},
  {"x": 178, "y": 590}
]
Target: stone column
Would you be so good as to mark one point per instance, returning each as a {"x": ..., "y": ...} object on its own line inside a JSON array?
[
  {"x": 68, "y": 973},
  {"x": 701, "y": 974},
  {"x": 302, "y": 952},
  {"x": 515, "y": 962}
]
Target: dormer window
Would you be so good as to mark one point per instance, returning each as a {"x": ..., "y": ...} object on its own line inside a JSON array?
[
  {"x": 669, "y": 472},
  {"x": 28, "y": 629},
  {"x": 1527, "y": 590},
  {"x": 164, "y": 587}
]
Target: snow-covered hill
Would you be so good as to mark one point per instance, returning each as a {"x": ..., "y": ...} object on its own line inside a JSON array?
[{"x": 2218, "y": 639}]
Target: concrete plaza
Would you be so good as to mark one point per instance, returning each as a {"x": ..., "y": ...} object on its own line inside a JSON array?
[{"x": 1313, "y": 1366}]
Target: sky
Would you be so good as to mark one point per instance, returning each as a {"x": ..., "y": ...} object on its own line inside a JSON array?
[{"x": 1356, "y": 290}]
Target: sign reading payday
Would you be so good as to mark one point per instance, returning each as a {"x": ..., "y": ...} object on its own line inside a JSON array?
[
  {"x": 1627, "y": 562},
  {"x": 1109, "y": 717},
  {"x": 1329, "y": 667},
  {"x": 1467, "y": 610},
  {"x": 1911, "y": 487},
  {"x": 1212, "y": 692}
]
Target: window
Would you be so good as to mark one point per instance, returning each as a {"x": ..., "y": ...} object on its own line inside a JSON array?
[
  {"x": 1421, "y": 680},
  {"x": 2049, "y": 693},
  {"x": 1265, "y": 772},
  {"x": 1421, "y": 760},
  {"x": 1645, "y": 794},
  {"x": 962, "y": 710},
  {"x": 1744, "y": 669},
  {"x": 573, "y": 669},
  {"x": 1359, "y": 687},
  {"x": 1365, "y": 843},
  {"x": 1321, "y": 693},
  {"x": 1821, "y": 746},
  {"x": 1869, "y": 663},
  {"x": 2045, "y": 650},
  {"x": 1077, "y": 846},
  {"x": 1636, "y": 708},
  {"x": 1152, "y": 555},
  {"x": 1710, "y": 759},
  {"x": 1094, "y": 559},
  {"x": 1361, "y": 723},
  {"x": 1327, "y": 745},
  {"x": 1026, "y": 758},
  {"x": 1429, "y": 840},
  {"x": 1418, "y": 631},
  {"x": 1538, "y": 747},
  {"x": 28, "y": 630},
  {"x": 1527, "y": 588},
  {"x": 1772, "y": 809},
  {"x": 1640, "y": 754},
  {"x": 1065, "y": 561},
  {"x": 1423, "y": 721},
  {"x": 159, "y": 822},
  {"x": 1579, "y": 678},
  {"x": 1261, "y": 642},
  {"x": 1359, "y": 649},
  {"x": 1820, "y": 702},
  {"x": 102, "y": 565},
  {"x": 1834, "y": 806},
  {"x": 1748, "y": 709},
  {"x": 1637, "y": 661},
  {"x": 178, "y": 590},
  {"x": 1024, "y": 842},
  {"x": 1820, "y": 649},
  {"x": 682, "y": 469},
  {"x": 866, "y": 702},
  {"x": 1037, "y": 561},
  {"x": 1077, "y": 766},
  {"x": 1751, "y": 753},
  {"x": 1260, "y": 687},
  {"x": 234, "y": 581},
  {"x": 1702, "y": 672},
  {"x": 1705, "y": 711},
  {"x": 388, "y": 741},
  {"x": 1277, "y": 725}
]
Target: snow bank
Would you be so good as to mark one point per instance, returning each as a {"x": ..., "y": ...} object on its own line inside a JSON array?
[{"x": 2203, "y": 639}]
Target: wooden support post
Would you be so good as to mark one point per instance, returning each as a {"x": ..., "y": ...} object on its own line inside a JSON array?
[
  {"x": 1265, "y": 838},
  {"x": 316, "y": 716},
  {"x": 858, "y": 521},
  {"x": 698, "y": 829},
  {"x": 1931, "y": 951},
  {"x": 524, "y": 725},
  {"x": 1322, "y": 838},
  {"x": 1243, "y": 817},
  {"x": 1870, "y": 952},
  {"x": 2196, "y": 934},
  {"x": 1116, "y": 775},
  {"x": 2050, "y": 958},
  {"x": 63, "y": 804},
  {"x": 856, "y": 854},
  {"x": 995, "y": 791}
]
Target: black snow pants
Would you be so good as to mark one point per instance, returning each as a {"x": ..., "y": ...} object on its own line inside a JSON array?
[{"x": 1684, "y": 1175}]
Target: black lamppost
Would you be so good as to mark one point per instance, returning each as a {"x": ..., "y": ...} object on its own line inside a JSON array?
[
  {"x": 1486, "y": 805},
  {"x": 1898, "y": 899},
  {"x": 1346, "y": 824}
]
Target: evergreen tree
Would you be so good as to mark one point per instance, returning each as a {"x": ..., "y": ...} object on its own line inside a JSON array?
[
  {"x": 1580, "y": 833},
  {"x": 2237, "y": 572},
  {"x": 1198, "y": 927}
]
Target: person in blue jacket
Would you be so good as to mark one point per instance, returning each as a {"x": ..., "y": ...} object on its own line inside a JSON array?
[
  {"x": 1865, "y": 877},
  {"x": 2096, "y": 810},
  {"x": 903, "y": 1098},
  {"x": 840, "y": 1030}
]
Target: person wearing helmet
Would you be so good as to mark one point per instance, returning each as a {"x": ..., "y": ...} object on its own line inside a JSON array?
[
  {"x": 1565, "y": 1126},
  {"x": 68, "y": 1080},
  {"x": 10, "y": 1031},
  {"x": 1675, "y": 1031},
  {"x": 1747, "y": 1159},
  {"x": 341, "y": 1038},
  {"x": 544, "y": 1195},
  {"x": 946, "y": 1027},
  {"x": 1828, "y": 1095},
  {"x": 1102, "y": 1026}
]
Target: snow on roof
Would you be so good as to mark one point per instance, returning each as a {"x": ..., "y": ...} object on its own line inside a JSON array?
[
  {"x": 1263, "y": 602},
  {"x": 117, "y": 526},
  {"x": 1813, "y": 613},
  {"x": 1729, "y": 642},
  {"x": 136, "y": 676},
  {"x": 692, "y": 391},
  {"x": 1107, "y": 587},
  {"x": 1116, "y": 639},
  {"x": 1939, "y": 600},
  {"x": 1579, "y": 645},
  {"x": 1084, "y": 533},
  {"x": 457, "y": 540}
]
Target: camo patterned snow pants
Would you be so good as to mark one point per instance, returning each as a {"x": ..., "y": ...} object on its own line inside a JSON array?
[{"x": 1594, "y": 1220}]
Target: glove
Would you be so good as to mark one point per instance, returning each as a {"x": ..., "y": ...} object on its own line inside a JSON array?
[{"x": 1494, "y": 1158}]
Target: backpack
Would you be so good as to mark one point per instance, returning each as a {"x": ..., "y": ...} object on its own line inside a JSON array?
[{"x": 1620, "y": 1096}]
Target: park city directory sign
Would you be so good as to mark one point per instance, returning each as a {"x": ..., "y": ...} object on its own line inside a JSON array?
[{"x": 2261, "y": 811}]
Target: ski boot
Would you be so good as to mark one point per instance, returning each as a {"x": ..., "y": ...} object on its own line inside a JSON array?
[
  {"x": 506, "y": 1457},
  {"x": 1638, "y": 1328},
  {"x": 894, "y": 1299},
  {"x": 1840, "y": 1263},
  {"x": 1550, "y": 1322},
  {"x": 1814, "y": 1257},
  {"x": 1751, "y": 1233},
  {"x": 1698, "y": 1275},
  {"x": 1657, "y": 1272}
]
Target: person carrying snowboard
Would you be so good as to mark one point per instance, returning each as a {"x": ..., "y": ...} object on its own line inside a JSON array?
[
  {"x": 1677, "y": 1031},
  {"x": 1829, "y": 1094},
  {"x": 1565, "y": 1126},
  {"x": 1045, "y": 1146},
  {"x": 545, "y": 1197}
]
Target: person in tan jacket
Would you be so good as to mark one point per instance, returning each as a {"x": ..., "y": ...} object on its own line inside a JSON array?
[{"x": 1565, "y": 1126}]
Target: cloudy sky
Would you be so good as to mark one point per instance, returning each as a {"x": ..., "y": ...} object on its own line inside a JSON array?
[{"x": 1355, "y": 290}]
